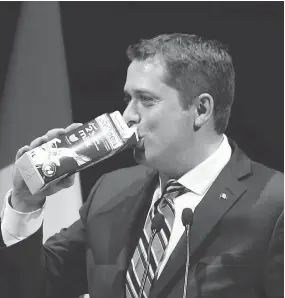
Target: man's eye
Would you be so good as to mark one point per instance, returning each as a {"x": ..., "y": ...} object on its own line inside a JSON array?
[
  {"x": 146, "y": 100},
  {"x": 127, "y": 99}
]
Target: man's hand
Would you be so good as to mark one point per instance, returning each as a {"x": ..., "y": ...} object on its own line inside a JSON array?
[{"x": 22, "y": 200}]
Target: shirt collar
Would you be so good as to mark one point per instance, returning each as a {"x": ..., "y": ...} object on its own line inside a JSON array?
[{"x": 200, "y": 178}]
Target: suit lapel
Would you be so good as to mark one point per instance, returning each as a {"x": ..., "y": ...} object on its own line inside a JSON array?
[
  {"x": 222, "y": 195},
  {"x": 113, "y": 232}
]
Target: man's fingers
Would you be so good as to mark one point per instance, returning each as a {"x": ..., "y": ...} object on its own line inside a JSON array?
[
  {"x": 73, "y": 126},
  {"x": 21, "y": 151},
  {"x": 38, "y": 141},
  {"x": 53, "y": 133}
]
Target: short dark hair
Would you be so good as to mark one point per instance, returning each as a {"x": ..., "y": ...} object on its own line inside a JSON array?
[{"x": 193, "y": 66}]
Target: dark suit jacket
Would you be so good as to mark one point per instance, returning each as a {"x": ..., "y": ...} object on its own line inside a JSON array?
[{"x": 236, "y": 243}]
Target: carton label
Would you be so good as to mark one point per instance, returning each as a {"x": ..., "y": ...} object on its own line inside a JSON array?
[{"x": 70, "y": 153}]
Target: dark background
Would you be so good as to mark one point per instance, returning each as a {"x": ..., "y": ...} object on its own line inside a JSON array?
[{"x": 96, "y": 35}]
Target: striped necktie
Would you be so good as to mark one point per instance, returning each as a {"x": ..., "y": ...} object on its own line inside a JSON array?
[{"x": 165, "y": 206}]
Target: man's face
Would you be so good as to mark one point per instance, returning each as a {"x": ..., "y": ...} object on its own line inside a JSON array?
[{"x": 164, "y": 127}]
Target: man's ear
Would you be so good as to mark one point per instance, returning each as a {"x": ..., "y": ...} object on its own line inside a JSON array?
[{"x": 204, "y": 107}]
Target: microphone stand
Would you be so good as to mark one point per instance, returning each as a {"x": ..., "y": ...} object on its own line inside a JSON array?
[
  {"x": 187, "y": 220},
  {"x": 187, "y": 227}
]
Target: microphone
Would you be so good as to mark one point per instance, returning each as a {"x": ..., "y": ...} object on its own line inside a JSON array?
[
  {"x": 156, "y": 226},
  {"x": 187, "y": 221}
]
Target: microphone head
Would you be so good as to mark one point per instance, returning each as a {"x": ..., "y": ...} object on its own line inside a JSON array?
[
  {"x": 157, "y": 222},
  {"x": 187, "y": 216}
]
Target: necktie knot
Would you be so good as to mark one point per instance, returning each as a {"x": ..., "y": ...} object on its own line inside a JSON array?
[{"x": 172, "y": 190}]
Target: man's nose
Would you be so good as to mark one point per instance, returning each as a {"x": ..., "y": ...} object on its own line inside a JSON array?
[{"x": 131, "y": 115}]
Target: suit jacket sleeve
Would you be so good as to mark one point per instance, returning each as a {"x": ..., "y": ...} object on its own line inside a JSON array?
[
  {"x": 273, "y": 277},
  {"x": 274, "y": 264},
  {"x": 29, "y": 269}
]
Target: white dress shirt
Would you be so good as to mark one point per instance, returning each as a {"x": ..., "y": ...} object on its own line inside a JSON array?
[
  {"x": 198, "y": 181},
  {"x": 17, "y": 226}
]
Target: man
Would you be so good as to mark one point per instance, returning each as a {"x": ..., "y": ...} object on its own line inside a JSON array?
[{"x": 179, "y": 92}]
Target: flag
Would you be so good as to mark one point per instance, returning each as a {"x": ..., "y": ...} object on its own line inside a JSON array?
[{"x": 36, "y": 99}]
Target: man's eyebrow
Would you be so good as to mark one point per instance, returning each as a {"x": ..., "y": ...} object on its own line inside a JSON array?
[{"x": 145, "y": 92}]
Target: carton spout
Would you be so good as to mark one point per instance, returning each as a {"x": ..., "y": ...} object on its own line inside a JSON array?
[
  {"x": 134, "y": 132},
  {"x": 129, "y": 134},
  {"x": 133, "y": 137}
]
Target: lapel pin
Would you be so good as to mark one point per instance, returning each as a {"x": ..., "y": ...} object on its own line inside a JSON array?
[{"x": 223, "y": 196}]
